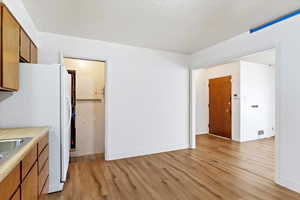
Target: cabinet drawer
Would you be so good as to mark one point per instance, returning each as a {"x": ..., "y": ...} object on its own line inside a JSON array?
[
  {"x": 17, "y": 195},
  {"x": 43, "y": 176},
  {"x": 43, "y": 158},
  {"x": 9, "y": 185},
  {"x": 24, "y": 46},
  {"x": 29, "y": 161},
  {"x": 29, "y": 187},
  {"x": 42, "y": 144}
]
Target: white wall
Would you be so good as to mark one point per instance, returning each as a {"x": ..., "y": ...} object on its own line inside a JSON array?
[
  {"x": 146, "y": 91},
  {"x": 21, "y": 14},
  {"x": 284, "y": 36},
  {"x": 201, "y": 101},
  {"x": 257, "y": 88},
  {"x": 202, "y": 111}
]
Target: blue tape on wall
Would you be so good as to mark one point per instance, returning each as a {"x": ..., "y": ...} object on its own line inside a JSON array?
[{"x": 275, "y": 21}]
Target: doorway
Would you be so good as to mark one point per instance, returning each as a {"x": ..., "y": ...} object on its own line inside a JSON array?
[
  {"x": 220, "y": 106},
  {"x": 72, "y": 73},
  {"x": 88, "y": 127},
  {"x": 252, "y": 106}
]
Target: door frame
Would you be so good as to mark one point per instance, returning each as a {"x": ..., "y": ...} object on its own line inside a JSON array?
[
  {"x": 192, "y": 97},
  {"x": 107, "y": 92},
  {"x": 73, "y": 102},
  {"x": 209, "y": 122}
]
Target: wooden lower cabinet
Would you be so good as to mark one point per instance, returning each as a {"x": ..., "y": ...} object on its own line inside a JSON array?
[
  {"x": 17, "y": 195},
  {"x": 29, "y": 179},
  {"x": 10, "y": 184},
  {"x": 28, "y": 162},
  {"x": 44, "y": 192},
  {"x": 43, "y": 158},
  {"x": 43, "y": 167},
  {"x": 29, "y": 187},
  {"x": 43, "y": 175}
]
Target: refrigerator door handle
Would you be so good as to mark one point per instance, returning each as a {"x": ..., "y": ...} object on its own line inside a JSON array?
[{"x": 70, "y": 111}]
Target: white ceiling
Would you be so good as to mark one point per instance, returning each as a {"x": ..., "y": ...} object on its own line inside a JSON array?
[
  {"x": 267, "y": 57},
  {"x": 183, "y": 26}
]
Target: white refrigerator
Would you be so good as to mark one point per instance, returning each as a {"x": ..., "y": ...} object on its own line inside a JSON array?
[{"x": 43, "y": 100}]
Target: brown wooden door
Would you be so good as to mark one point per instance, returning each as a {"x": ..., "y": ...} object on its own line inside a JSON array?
[{"x": 220, "y": 106}]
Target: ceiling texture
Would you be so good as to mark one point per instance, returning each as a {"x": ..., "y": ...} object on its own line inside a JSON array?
[{"x": 184, "y": 26}]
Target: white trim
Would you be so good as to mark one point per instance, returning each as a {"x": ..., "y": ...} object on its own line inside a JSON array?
[
  {"x": 287, "y": 183},
  {"x": 146, "y": 153},
  {"x": 201, "y": 133},
  {"x": 278, "y": 69},
  {"x": 192, "y": 113},
  {"x": 221, "y": 137},
  {"x": 192, "y": 133},
  {"x": 106, "y": 107}
]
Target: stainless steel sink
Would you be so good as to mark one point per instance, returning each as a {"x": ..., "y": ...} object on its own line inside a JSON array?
[
  {"x": 8, "y": 147},
  {"x": 10, "y": 144}
]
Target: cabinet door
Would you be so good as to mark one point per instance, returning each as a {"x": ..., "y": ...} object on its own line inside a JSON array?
[
  {"x": 17, "y": 195},
  {"x": 10, "y": 51},
  {"x": 24, "y": 46},
  {"x": 43, "y": 195},
  {"x": 34, "y": 54},
  {"x": 43, "y": 176},
  {"x": 1, "y": 74},
  {"x": 10, "y": 184},
  {"x": 29, "y": 187},
  {"x": 28, "y": 161}
]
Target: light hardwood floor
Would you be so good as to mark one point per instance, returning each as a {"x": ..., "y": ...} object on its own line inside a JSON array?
[{"x": 217, "y": 169}]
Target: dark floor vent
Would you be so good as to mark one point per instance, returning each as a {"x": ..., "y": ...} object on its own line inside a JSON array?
[{"x": 261, "y": 132}]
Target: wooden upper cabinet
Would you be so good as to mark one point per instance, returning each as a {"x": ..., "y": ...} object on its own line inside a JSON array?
[
  {"x": 25, "y": 44},
  {"x": 10, "y": 51},
  {"x": 33, "y": 54},
  {"x": 16, "y": 46}
]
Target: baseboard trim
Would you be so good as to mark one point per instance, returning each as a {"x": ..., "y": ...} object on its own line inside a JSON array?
[
  {"x": 256, "y": 139},
  {"x": 217, "y": 136},
  {"x": 55, "y": 188},
  {"x": 89, "y": 157},
  {"x": 110, "y": 157},
  {"x": 289, "y": 184},
  {"x": 203, "y": 133}
]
